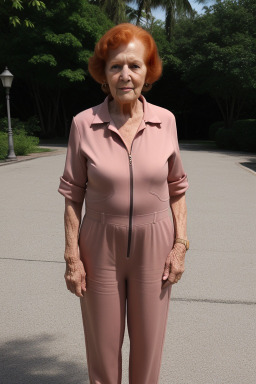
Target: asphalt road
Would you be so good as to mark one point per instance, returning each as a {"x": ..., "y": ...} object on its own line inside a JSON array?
[{"x": 211, "y": 333}]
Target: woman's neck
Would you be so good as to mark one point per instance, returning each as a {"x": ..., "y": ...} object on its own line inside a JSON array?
[{"x": 128, "y": 110}]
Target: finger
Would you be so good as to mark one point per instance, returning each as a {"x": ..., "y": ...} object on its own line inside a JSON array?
[
  {"x": 172, "y": 277},
  {"x": 78, "y": 288},
  {"x": 70, "y": 284},
  {"x": 166, "y": 284},
  {"x": 83, "y": 283},
  {"x": 178, "y": 276},
  {"x": 67, "y": 281},
  {"x": 166, "y": 268}
]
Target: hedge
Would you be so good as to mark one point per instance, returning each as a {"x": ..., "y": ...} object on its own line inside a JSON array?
[
  {"x": 225, "y": 139},
  {"x": 31, "y": 126},
  {"x": 241, "y": 137},
  {"x": 23, "y": 144},
  {"x": 213, "y": 129},
  {"x": 245, "y": 134}
]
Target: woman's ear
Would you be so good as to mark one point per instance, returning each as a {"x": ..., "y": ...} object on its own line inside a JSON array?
[
  {"x": 105, "y": 88},
  {"x": 146, "y": 87}
]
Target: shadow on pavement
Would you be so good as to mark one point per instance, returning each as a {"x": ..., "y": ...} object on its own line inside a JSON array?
[
  {"x": 251, "y": 164},
  {"x": 210, "y": 146},
  {"x": 32, "y": 361}
]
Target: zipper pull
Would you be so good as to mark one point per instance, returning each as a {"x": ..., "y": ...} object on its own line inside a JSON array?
[{"x": 130, "y": 159}]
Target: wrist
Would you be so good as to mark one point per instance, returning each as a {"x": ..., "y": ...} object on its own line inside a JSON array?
[
  {"x": 182, "y": 241},
  {"x": 71, "y": 257}
]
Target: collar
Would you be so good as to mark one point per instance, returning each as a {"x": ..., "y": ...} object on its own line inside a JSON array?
[{"x": 102, "y": 113}]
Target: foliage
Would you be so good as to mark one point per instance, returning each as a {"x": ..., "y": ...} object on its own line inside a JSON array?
[
  {"x": 119, "y": 11},
  {"x": 225, "y": 139},
  {"x": 53, "y": 56},
  {"x": 245, "y": 134},
  {"x": 31, "y": 126},
  {"x": 116, "y": 10},
  {"x": 19, "y": 7},
  {"x": 242, "y": 136},
  {"x": 214, "y": 128},
  {"x": 174, "y": 10},
  {"x": 211, "y": 54},
  {"x": 3, "y": 145},
  {"x": 23, "y": 144},
  {"x": 218, "y": 51}
]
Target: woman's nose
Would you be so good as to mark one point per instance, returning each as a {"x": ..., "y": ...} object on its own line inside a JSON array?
[{"x": 125, "y": 73}]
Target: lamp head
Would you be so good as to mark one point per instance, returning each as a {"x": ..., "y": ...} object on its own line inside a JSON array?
[{"x": 7, "y": 78}]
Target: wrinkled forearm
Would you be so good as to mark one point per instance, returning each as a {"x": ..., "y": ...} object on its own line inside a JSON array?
[
  {"x": 179, "y": 214},
  {"x": 72, "y": 219}
]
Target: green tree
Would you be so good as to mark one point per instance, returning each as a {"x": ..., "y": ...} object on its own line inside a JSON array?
[
  {"x": 174, "y": 9},
  {"x": 52, "y": 57},
  {"x": 17, "y": 9},
  {"x": 116, "y": 10},
  {"x": 218, "y": 54}
]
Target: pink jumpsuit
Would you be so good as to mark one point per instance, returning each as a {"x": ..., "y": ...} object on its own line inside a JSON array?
[{"x": 125, "y": 236}]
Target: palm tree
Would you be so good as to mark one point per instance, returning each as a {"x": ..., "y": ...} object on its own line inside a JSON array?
[
  {"x": 118, "y": 11},
  {"x": 143, "y": 5},
  {"x": 173, "y": 10},
  {"x": 115, "y": 9}
]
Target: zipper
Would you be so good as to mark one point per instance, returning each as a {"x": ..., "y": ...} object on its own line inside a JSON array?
[{"x": 131, "y": 206}]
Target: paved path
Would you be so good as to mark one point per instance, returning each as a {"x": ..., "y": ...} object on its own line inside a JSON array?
[{"x": 211, "y": 334}]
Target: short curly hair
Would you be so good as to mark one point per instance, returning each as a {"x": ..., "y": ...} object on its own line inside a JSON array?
[{"x": 123, "y": 34}]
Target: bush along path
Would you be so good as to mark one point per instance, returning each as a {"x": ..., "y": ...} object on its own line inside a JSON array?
[
  {"x": 241, "y": 137},
  {"x": 39, "y": 151},
  {"x": 25, "y": 138}
]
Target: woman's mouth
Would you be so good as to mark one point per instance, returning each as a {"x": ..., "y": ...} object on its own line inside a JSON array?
[{"x": 126, "y": 89}]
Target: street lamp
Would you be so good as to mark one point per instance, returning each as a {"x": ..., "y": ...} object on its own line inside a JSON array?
[{"x": 7, "y": 78}]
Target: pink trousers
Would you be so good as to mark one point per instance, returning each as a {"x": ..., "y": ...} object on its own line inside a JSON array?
[{"x": 120, "y": 286}]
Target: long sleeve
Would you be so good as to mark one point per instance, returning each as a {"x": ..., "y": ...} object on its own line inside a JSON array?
[
  {"x": 177, "y": 178},
  {"x": 73, "y": 182}
]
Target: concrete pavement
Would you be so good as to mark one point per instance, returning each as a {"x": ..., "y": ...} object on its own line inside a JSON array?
[{"x": 211, "y": 333}]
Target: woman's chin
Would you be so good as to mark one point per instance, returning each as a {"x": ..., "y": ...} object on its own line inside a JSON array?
[{"x": 126, "y": 97}]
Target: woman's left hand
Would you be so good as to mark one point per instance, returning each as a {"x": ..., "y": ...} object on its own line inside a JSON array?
[{"x": 174, "y": 265}]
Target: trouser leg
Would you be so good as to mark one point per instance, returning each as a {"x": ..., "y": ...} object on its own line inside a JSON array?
[
  {"x": 147, "y": 302},
  {"x": 103, "y": 305},
  {"x": 104, "y": 321}
]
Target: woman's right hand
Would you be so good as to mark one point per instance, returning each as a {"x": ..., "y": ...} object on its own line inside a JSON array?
[{"x": 75, "y": 277}]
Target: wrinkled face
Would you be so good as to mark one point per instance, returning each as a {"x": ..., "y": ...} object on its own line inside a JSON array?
[{"x": 126, "y": 71}]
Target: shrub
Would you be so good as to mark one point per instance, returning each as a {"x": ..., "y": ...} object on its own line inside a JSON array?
[
  {"x": 31, "y": 126},
  {"x": 3, "y": 145},
  {"x": 213, "y": 129},
  {"x": 245, "y": 134},
  {"x": 225, "y": 139},
  {"x": 23, "y": 144}
]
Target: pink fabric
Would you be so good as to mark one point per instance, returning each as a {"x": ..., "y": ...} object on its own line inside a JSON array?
[
  {"x": 124, "y": 273},
  {"x": 97, "y": 162},
  {"x": 117, "y": 287}
]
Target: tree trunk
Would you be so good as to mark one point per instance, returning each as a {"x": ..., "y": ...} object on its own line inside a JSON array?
[
  {"x": 169, "y": 21},
  {"x": 140, "y": 9},
  {"x": 47, "y": 108},
  {"x": 227, "y": 109}
]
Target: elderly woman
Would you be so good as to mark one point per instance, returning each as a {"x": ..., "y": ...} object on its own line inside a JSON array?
[{"x": 122, "y": 260}]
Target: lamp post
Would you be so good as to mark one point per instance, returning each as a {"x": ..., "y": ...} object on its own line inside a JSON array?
[{"x": 7, "y": 79}]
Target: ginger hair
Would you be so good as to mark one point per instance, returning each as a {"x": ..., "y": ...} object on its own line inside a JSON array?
[{"x": 123, "y": 34}]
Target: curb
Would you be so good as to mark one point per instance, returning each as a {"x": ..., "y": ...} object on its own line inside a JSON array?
[{"x": 56, "y": 151}]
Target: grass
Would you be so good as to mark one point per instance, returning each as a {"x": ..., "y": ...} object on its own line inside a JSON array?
[
  {"x": 41, "y": 149},
  {"x": 23, "y": 144}
]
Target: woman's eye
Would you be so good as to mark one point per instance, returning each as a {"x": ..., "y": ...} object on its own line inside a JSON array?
[
  {"x": 115, "y": 66},
  {"x": 135, "y": 66}
]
